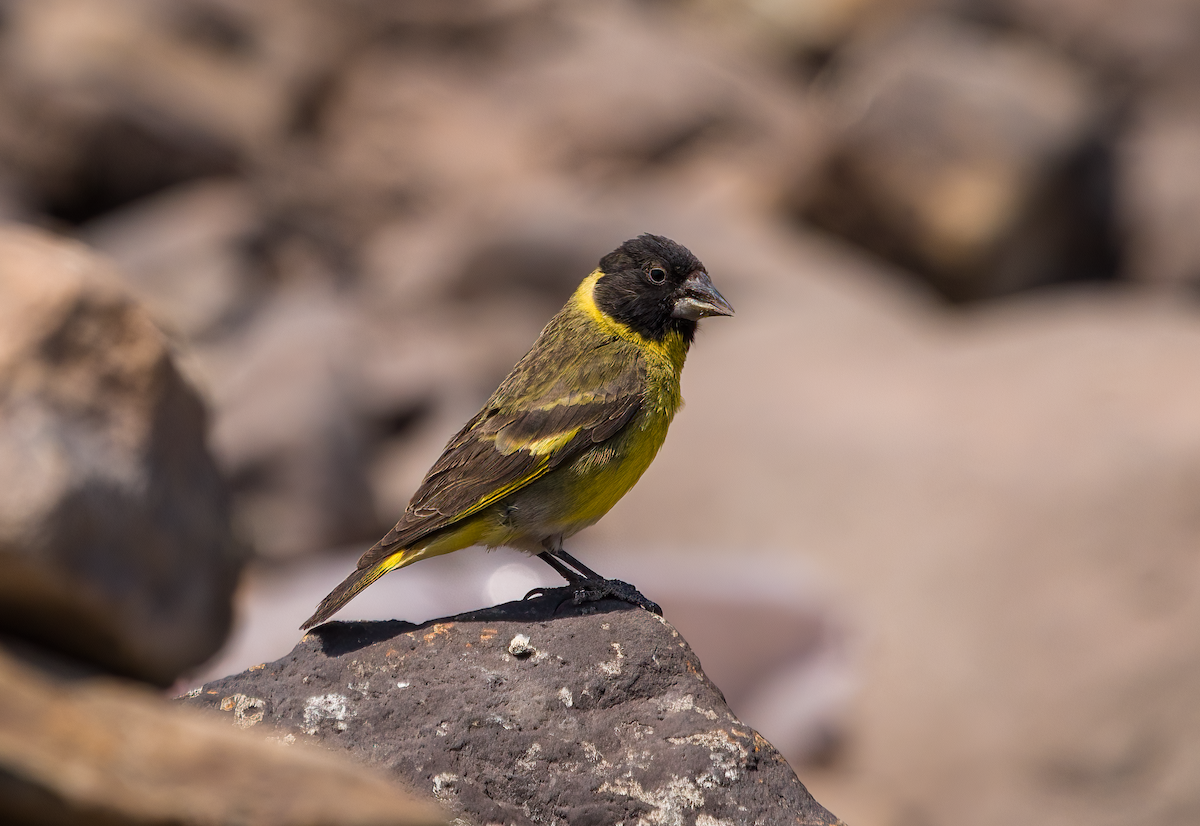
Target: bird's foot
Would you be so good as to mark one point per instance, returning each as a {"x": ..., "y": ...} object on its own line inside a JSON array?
[{"x": 594, "y": 590}]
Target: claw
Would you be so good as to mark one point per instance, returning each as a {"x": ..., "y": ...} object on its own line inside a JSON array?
[{"x": 545, "y": 592}]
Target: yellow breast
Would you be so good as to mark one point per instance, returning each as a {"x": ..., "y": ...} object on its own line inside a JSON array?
[{"x": 594, "y": 482}]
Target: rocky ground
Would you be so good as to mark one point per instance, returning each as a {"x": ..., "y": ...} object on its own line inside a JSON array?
[
  {"x": 929, "y": 516},
  {"x": 530, "y": 712}
]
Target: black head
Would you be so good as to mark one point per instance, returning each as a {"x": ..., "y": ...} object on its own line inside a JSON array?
[{"x": 655, "y": 286}]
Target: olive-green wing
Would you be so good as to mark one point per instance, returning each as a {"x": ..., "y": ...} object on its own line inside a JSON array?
[{"x": 537, "y": 419}]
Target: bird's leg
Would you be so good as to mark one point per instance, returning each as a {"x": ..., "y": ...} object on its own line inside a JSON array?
[
  {"x": 576, "y": 564},
  {"x": 589, "y": 585},
  {"x": 547, "y": 556},
  {"x": 566, "y": 573}
]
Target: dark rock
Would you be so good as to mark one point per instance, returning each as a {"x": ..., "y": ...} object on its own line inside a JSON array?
[
  {"x": 124, "y": 156},
  {"x": 115, "y": 542},
  {"x": 103, "y": 752},
  {"x": 523, "y": 714},
  {"x": 972, "y": 158},
  {"x": 108, "y": 103}
]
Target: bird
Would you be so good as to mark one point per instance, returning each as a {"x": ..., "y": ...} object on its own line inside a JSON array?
[{"x": 568, "y": 432}]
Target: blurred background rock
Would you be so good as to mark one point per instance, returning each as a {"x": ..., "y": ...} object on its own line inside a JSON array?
[
  {"x": 117, "y": 568},
  {"x": 931, "y": 517}
]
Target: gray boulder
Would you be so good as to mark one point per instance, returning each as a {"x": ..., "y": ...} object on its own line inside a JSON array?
[
  {"x": 529, "y": 712},
  {"x": 115, "y": 540}
]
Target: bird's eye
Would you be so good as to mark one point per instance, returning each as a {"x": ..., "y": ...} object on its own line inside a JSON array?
[{"x": 657, "y": 275}]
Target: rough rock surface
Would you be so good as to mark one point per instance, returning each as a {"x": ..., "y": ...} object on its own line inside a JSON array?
[
  {"x": 115, "y": 544},
  {"x": 521, "y": 714},
  {"x": 106, "y": 752}
]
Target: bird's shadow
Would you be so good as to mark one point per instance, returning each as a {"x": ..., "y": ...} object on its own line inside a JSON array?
[{"x": 338, "y": 637}]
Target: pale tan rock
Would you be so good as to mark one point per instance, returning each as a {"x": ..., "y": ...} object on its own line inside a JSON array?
[
  {"x": 1159, "y": 182},
  {"x": 103, "y": 751}
]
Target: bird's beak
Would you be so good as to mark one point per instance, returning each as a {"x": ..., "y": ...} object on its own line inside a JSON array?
[{"x": 699, "y": 298}]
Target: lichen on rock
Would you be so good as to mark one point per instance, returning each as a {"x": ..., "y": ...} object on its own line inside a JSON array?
[{"x": 612, "y": 720}]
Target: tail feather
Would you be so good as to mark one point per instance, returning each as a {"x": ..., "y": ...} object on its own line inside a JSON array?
[{"x": 350, "y": 587}]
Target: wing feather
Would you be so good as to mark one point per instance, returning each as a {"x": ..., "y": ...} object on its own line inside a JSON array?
[{"x": 537, "y": 419}]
